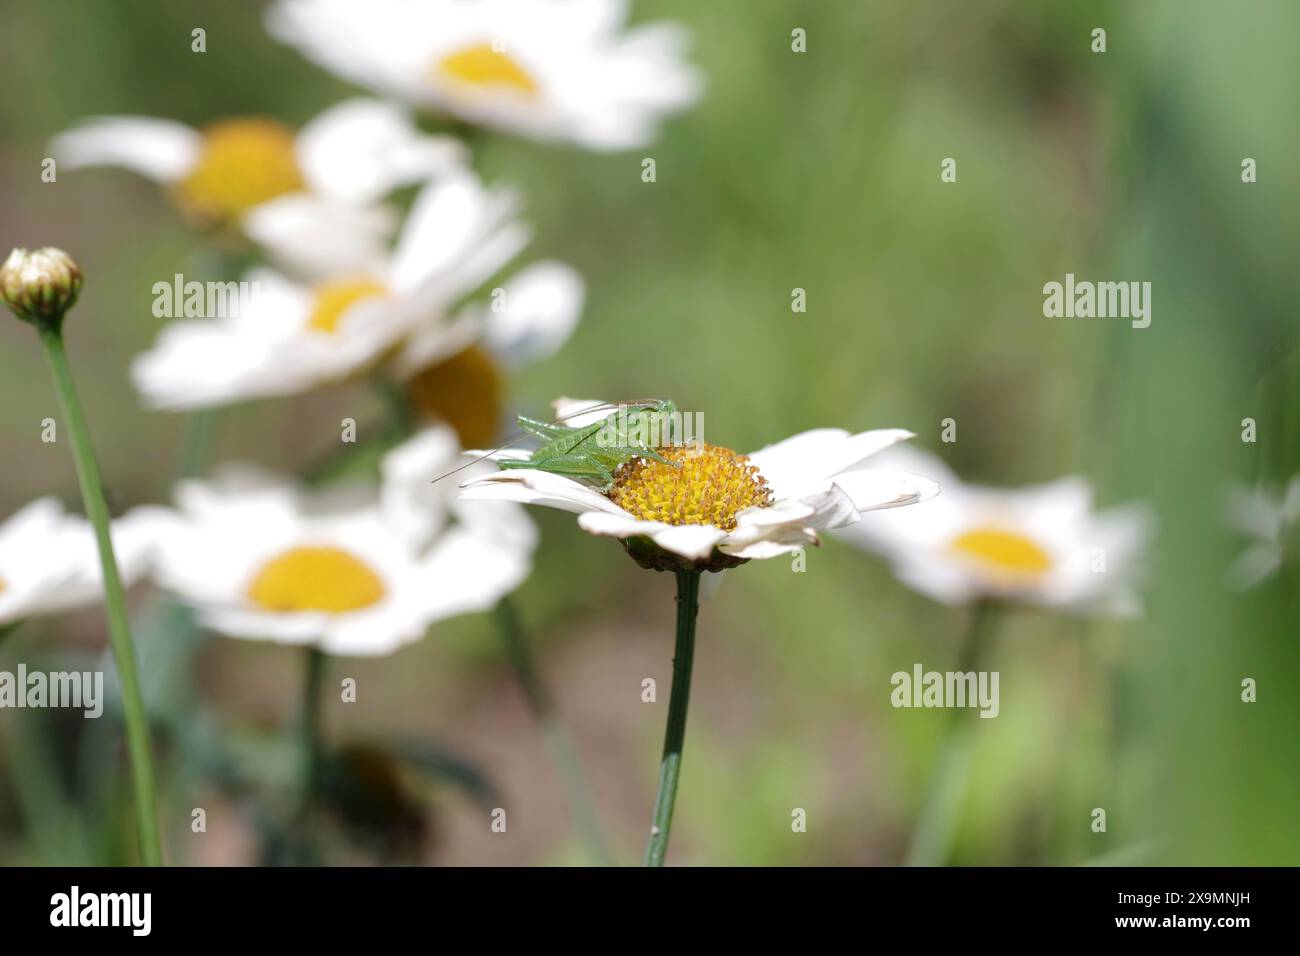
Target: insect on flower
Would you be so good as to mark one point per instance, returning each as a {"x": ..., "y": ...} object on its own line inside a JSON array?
[
  {"x": 592, "y": 453},
  {"x": 709, "y": 507}
]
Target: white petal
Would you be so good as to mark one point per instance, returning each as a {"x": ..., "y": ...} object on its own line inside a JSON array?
[
  {"x": 362, "y": 149},
  {"x": 413, "y": 505},
  {"x": 452, "y": 222},
  {"x": 497, "y": 454},
  {"x": 34, "y": 519},
  {"x": 694, "y": 541},
  {"x": 772, "y": 547},
  {"x": 832, "y": 507},
  {"x": 1291, "y": 500},
  {"x": 198, "y": 363},
  {"x": 372, "y": 632},
  {"x": 296, "y": 629},
  {"x": 590, "y": 20},
  {"x": 917, "y": 461},
  {"x": 469, "y": 572},
  {"x": 1060, "y": 503},
  {"x": 137, "y": 536},
  {"x": 160, "y": 149},
  {"x": 1254, "y": 511},
  {"x": 541, "y": 308},
  {"x": 621, "y": 525},
  {"x": 808, "y": 458},
  {"x": 786, "y": 526},
  {"x": 503, "y": 523},
  {"x": 785, "y": 512},
  {"x": 532, "y": 487},
  {"x": 373, "y": 46},
  {"x": 938, "y": 580},
  {"x": 870, "y": 489},
  {"x": 641, "y": 78},
  {"x": 49, "y": 560},
  {"x": 420, "y": 457},
  {"x": 316, "y": 236},
  {"x": 195, "y": 364},
  {"x": 1254, "y": 565},
  {"x": 434, "y": 340}
]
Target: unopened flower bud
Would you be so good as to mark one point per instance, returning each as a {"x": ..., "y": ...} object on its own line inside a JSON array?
[{"x": 40, "y": 285}]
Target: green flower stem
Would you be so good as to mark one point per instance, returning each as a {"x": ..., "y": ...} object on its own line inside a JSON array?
[
  {"x": 198, "y": 439},
  {"x": 92, "y": 495},
  {"x": 312, "y": 748},
  {"x": 932, "y": 837},
  {"x": 560, "y": 747},
  {"x": 392, "y": 393},
  {"x": 688, "y": 606}
]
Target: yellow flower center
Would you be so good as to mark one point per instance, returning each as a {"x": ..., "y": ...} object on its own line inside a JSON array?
[
  {"x": 3, "y": 587},
  {"x": 242, "y": 163},
  {"x": 332, "y": 299},
  {"x": 704, "y": 485},
  {"x": 315, "y": 579},
  {"x": 481, "y": 68},
  {"x": 465, "y": 391},
  {"x": 1005, "y": 553}
]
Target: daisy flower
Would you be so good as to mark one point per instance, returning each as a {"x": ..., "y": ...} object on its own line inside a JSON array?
[
  {"x": 352, "y": 571},
  {"x": 1268, "y": 517},
  {"x": 709, "y": 508},
  {"x": 691, "y": 508},
  {"x": 549, "y": 70},
  {"x": 49, "y": 561},
  {"x": 1042, "y": 545},
  {"x": 291, "y": 336},
  {"x": 282, "y": 188}
]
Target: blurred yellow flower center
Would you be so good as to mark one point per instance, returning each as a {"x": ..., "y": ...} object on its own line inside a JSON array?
[
  {"x": 705, "y": 485},
  {"x": 242, "y": 163},
  {"x": 481, "y": 67},
  {"x": 1005, "y": 552},
  {"x": 315, "y": 579},
  {"x": 3, "y": 586},
  {"x": 465, "y": 392},
  {"x": 334, "y": 298}
]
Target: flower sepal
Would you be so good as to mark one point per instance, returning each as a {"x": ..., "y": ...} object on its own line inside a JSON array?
[{"x": 650, "y": 556}]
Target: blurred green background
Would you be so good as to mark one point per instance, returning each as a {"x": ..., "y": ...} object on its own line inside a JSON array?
[{"x": 819, "y": 171}]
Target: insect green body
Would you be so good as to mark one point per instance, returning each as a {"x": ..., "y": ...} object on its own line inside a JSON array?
[{"x": 592, "y": 453}]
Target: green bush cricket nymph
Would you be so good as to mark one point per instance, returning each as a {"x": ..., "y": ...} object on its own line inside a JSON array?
[{"x": 592, "y": 453}]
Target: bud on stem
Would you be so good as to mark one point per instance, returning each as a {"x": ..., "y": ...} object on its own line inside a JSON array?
[{"x": 40, "y": 285}]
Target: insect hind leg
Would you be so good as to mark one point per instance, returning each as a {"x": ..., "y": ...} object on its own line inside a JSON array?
[
  {"x": 578, "y": 467},
  {"x": 509, "y": 464}
]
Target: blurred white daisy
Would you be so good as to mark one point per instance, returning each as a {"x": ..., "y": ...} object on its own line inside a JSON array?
[
  {"x": 1271, "y": 519},
  {"x": 289, "y": 337},
  {"x": 549, "y": 69},
  {"x": 289, "y": 191},
  {"x": 353, "y": 571},
  {"x": 711, "y": 507},
  {"x": 49, "y": 561},
  {"x": 1042, "y": 545}
]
